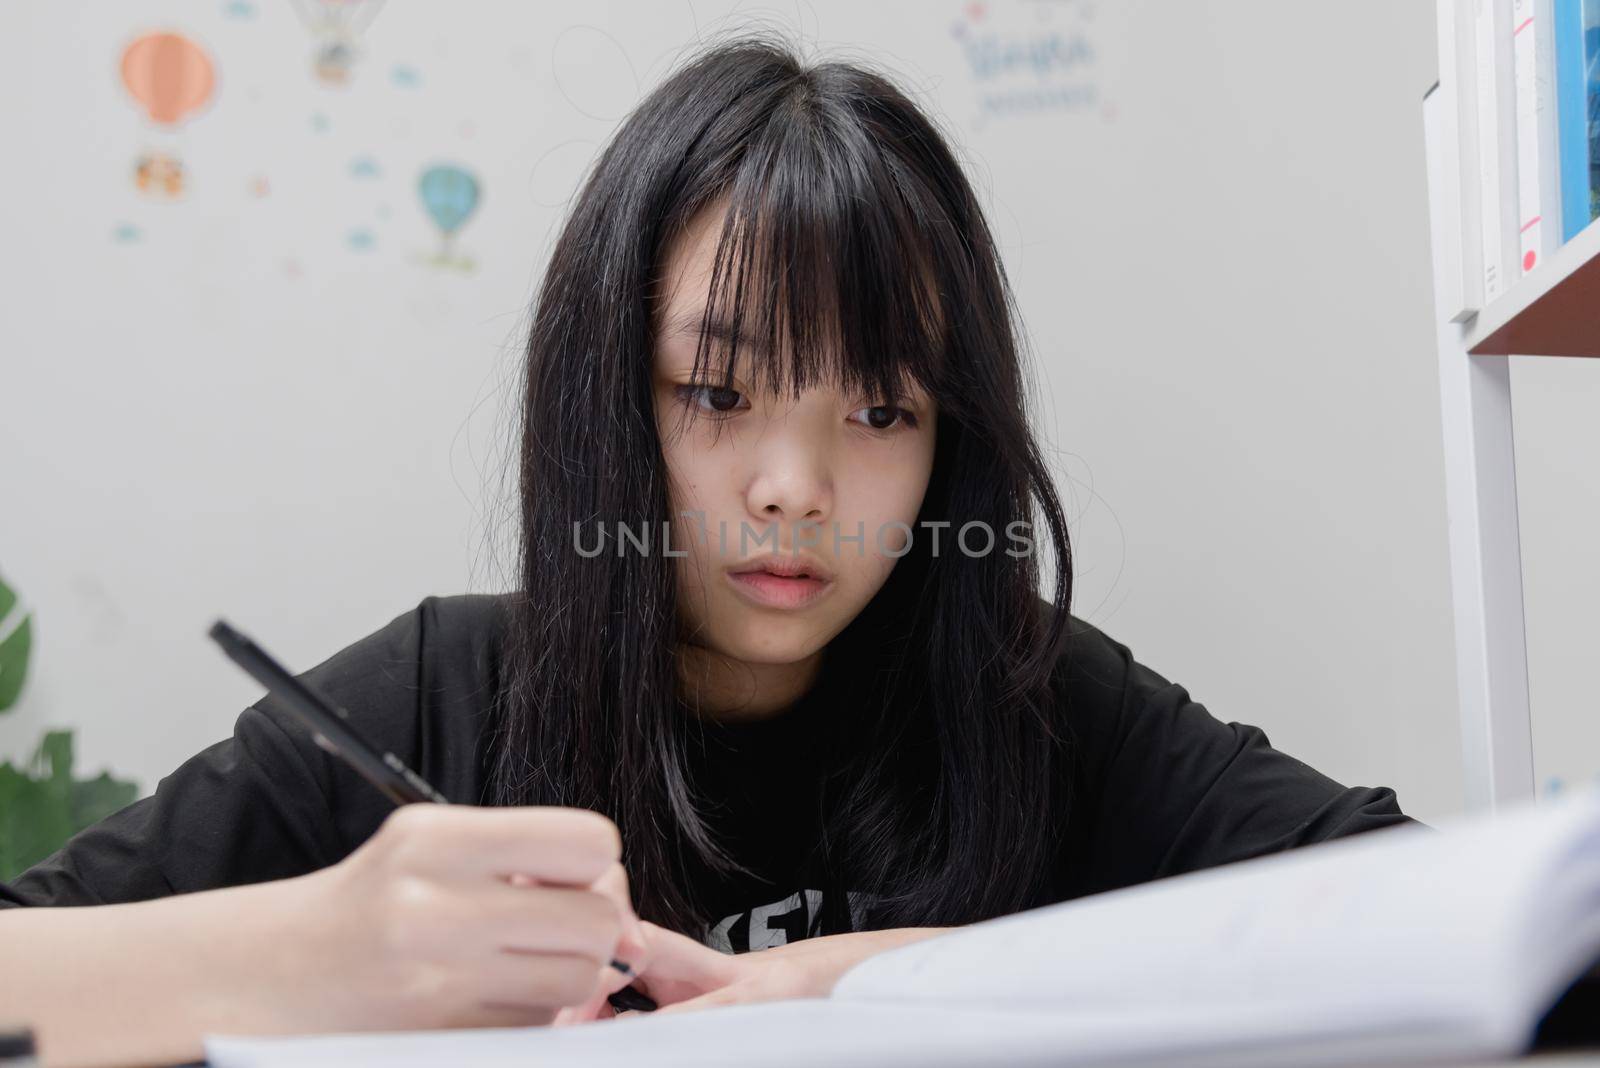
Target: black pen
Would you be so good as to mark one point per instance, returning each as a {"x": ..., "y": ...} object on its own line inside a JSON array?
[{"x": 331, "y": 729}]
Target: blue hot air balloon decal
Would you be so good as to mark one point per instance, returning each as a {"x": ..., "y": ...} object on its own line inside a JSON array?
[{"x": 450, "y": 194}]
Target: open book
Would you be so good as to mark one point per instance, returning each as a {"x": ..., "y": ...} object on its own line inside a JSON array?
[{"x": 1396, "y": 945}]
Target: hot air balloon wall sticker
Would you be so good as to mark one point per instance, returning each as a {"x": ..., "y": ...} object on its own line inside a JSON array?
[
  {"x": 336, "y": 28},
  {"x": 450, "y": 195},
  {"x": 172, "y": 79}
]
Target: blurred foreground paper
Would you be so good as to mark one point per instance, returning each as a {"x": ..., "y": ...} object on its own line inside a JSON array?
[{"x": 1402, "y": 944}]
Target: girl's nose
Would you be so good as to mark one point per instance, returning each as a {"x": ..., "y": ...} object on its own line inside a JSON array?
[
  {"x": 789, "y": 493},
  {"x": 791, "y": 479}
]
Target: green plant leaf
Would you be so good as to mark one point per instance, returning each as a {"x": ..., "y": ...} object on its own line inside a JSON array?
[
  {"x": 13, "y": 650},
  {"x": 33, "y": 821},
  {"x": 95, "y": 799},
  {"x": 42, "y": 805}
]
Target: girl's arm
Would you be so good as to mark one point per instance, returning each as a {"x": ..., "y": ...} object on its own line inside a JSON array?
[
  {"x": 420, "y": 927},
  {"x": 142, "y": 982},
  {"x": 1163, "y": 787}
]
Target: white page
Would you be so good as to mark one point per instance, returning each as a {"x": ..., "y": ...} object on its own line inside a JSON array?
[
  {"x": 1491, "y": 916},
  {"x": 843, "y": 1034}
]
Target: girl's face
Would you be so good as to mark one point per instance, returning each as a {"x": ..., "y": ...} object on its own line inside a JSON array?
[{"x": 776, "y": 479}]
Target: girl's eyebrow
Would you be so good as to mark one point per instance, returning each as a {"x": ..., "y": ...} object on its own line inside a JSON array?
[{"x": 690, "y": 323}]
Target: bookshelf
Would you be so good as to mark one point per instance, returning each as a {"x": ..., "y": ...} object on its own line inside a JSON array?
[{"x": 1553, "y": 310}]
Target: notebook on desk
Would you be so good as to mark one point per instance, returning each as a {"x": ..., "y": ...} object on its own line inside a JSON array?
[{"x": 1402, "y": 944}]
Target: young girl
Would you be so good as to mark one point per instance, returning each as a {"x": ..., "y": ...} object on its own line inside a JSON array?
[{"x": 778, "y": 675}]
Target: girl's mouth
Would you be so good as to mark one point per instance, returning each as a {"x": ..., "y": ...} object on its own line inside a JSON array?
[{"x": 779, "y": 591}]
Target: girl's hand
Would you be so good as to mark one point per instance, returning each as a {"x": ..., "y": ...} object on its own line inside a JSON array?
[
  {"x": 447, "y": 916},
  {"x": 677, "y": 969},
  {"x": 458, "y": 916},
  {"x": 683, "y": 975}
]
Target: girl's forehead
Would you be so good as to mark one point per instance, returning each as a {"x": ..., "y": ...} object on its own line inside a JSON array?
[
  {"x": 747, "y": 355},
  {"x": 762, "y": 374},
  {"x": 779, "y": 306}
]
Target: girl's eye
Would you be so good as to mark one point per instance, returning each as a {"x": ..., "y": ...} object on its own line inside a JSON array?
[
  {"x": 713, "y": 399},
  {"x": 716, "y": 400},
  {"x": 885, "y": 416}
]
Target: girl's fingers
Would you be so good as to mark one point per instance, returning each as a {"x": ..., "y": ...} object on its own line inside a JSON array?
[
  {"x": 682, "y": 968},
  {"x": 634, "y": 948},
  {"x": 530, "y": 982},
  {"x": 680, "y": 972},
  {"x": 596, "y": 1008},
  {"x": 599, "y": 1006},
  {"x": 562, "y": 846},
  {"x": 725, "y": 996},
  {"x": 678, "y": 957},
  {"x": 534, "y": 919}
]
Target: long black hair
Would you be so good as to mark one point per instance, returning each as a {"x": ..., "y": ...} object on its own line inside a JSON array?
[{"x": 945, "y": 797}]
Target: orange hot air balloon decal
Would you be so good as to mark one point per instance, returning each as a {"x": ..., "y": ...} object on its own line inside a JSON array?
[{"x": 169, "y": 75}]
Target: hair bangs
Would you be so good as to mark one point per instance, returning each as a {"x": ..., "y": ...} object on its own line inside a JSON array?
[{"x": 821, "y": 276}]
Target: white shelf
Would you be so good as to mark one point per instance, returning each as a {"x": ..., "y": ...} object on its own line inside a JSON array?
[
  {"x": 1539, "y": 314},
  {"x": 1553, "y": 310}
]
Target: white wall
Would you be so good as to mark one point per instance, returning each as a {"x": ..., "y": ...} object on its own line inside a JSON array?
[
  {"x": 1557, "y": 443},
  {"x": 1221, "y": 256}
]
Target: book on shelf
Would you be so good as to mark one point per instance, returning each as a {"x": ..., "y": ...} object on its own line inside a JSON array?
[
  {"x": 1538, "y": 170},
  {"x": 1405, "y": 944},
  {"x": 1462, "y": 295},
  {"x": 1577, "y": 52},
  {"x": 1526, "y": 134},
  {"x": 1497, "y": 144}
]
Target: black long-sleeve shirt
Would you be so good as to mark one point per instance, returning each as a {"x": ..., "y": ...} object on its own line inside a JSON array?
[{"x": 1161, "y": 786}]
